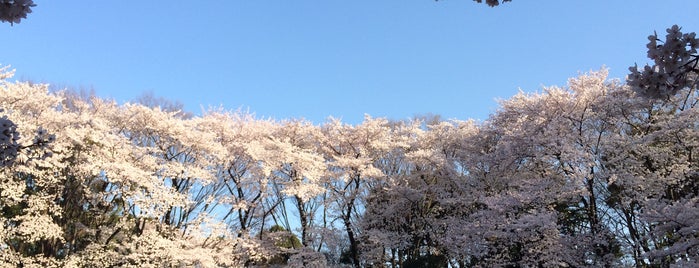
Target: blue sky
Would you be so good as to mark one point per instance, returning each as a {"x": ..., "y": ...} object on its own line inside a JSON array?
[{"x": 314, "y": 59}]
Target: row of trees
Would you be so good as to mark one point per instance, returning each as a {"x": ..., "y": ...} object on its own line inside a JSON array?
[{"x": 597, "y": 173}]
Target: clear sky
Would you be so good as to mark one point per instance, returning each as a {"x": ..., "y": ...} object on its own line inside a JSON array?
[{"x": 314, "y": 59}]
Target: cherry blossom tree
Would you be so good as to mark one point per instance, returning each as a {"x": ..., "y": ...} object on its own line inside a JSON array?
[
  {"x": 401, "y": 222},
  {"x": 298, "y": 169},
  {"x": 551, "y": 141},
  {"x": 660, "y": 139},
  {"x": 243, "y": 182},
  {"x": 351, "y": 152},
  {"x": 31, "y": 214}
]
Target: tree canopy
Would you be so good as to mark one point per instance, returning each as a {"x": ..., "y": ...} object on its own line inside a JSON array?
[{"x": 597, "y": 173}]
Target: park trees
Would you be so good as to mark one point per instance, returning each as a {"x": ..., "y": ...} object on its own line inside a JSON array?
[
  {"x": 592, "y": 174},
  {"x": 81, "y": 191},
  {"x": 596, "y": 173}
]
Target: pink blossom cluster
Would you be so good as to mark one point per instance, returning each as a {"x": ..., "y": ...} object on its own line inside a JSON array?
[
  {"x": 675, "y": 65},
  {"x": 13, "y": 11}
]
